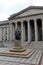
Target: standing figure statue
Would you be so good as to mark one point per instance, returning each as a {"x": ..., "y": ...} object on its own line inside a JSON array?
[
  {"x": 18, "y": 38},
  {"x": 17, "y": 34}
]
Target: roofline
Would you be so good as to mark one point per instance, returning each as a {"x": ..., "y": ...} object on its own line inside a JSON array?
[
  {"x": 4, "y": 22},
  {"x": 27, "y": 16},
  {"x": 28, "y": 8}
]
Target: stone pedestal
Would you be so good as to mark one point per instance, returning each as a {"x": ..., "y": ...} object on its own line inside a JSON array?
[
  {"x": 18, "y": 44},
  {"x": 18, "y": 47},
  {"x": 18, "y": 51}
]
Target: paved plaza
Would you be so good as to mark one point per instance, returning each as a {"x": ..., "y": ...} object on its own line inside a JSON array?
[{"x": 32, "y": 60}]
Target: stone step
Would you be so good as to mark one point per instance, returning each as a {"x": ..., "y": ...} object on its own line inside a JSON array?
[
  {"x": 27, "y": 55},
  {"x": 35, "y": 45}
]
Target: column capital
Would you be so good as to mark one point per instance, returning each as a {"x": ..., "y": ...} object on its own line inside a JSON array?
[
  {"x": 21, "y": 23},
  {"x": 10, "y": 24},
  {"x": 35, "y": 20},
  {"x": 15, "y": 22},
  {"x": 42, "y": 19}
]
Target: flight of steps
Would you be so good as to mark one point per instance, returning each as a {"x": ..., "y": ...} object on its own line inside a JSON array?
[{"x": 35, "y": 45}]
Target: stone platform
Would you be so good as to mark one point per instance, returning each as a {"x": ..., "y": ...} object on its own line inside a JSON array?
[
  {"x": 18, "y": 53},
  {"x": 34, "y": 59}
]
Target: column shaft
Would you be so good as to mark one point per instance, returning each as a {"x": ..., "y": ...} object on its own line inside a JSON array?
[
  {"x": 11, "y": 32},
  {"x": 42, "y": 30},
  {"x": 28, "y": 32},
  {"x": 21, "y": 31},
  {"x": 15, "y": 25},
  {"x": 36, "y": 31}
]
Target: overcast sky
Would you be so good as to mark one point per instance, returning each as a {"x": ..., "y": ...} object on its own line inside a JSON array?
[{"x": 8, "y": 7}]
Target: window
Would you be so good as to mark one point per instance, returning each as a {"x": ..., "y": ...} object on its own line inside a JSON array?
[
  {"x": 2, "y": 33},
  {"x": 6, "y": 33}
]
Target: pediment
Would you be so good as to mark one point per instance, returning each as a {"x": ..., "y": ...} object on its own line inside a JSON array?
[{"x": 30, "y": 12}]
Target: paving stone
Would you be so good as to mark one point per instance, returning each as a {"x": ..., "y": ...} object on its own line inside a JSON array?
[
  {"x": 1, "y": 62},
  {"x": 22, "y": 64},
  {"x": 42, "y": 61},
  {"x": 28, "y": 61},
  {"x": 41, "y": 64},
  {"x": 7, "y": 63},
  {"x": 11, "y": 59},
  {"x": 34, "y": 59},
  {"x": 23, "y": 60}
]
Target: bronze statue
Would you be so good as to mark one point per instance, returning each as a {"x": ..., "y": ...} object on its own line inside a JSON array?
[{"x": 17, "y": 34}]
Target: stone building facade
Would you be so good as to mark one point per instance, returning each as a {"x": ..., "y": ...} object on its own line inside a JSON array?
[{"x": 29, "y": 21}]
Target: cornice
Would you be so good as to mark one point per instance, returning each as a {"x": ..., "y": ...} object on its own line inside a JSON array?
[{"x": 26, "y": 16}]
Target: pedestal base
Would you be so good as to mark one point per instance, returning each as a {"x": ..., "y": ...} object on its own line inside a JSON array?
[
  {"x": 17, "y": 49},
  {"x": 25, "y": 53}
]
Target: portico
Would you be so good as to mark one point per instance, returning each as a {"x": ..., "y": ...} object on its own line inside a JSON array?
[{"x": 31, "y": 30}]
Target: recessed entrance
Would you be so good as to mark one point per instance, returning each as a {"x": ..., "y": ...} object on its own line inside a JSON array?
[
  {"x": 19, "y": 25},
  {"x": 32, "y": 30},
  {"x": 25, "y": 31},
  {"x": 39, "y": 26}
]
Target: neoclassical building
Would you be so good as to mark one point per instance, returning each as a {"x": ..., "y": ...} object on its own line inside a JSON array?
[{"x": 29, "y": 21}]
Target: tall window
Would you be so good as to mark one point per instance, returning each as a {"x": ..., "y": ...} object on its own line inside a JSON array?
[
  {"x": 5, "y": 33},
  {"x": 8, "y": 34},
  {"x": 2, "y": 33}
]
